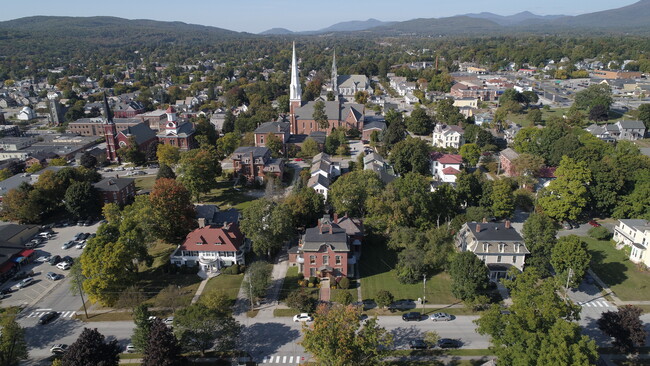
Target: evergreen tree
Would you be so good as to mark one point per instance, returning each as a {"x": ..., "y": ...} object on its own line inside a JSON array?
[
  {"x": 162, "y": 347},
  {"x": 91, "y": 349}
]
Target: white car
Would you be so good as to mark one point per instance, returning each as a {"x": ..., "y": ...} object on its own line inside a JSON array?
[
  {"x": 24, "y": 283},
  {"x": 130, "y": 348},
  {"x": 59, "y": 349},
  {"x": 81, "y": 244},
  {"x": 63, "y": 265},
  {"x": 43, "y": 259},
  {"x": 302, "y": 317}
]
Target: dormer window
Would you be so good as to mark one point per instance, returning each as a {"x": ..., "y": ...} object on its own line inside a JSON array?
[
  {"x": 485, "y": 247},
  {"x": 502, "y": 247}
]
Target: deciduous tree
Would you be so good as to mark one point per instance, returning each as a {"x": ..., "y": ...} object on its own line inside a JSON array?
[
  {"x": 13, "y": 347},
  {"x": 566, "y": 196},
  {"x": 306, "y": 206},
  {"x": 198, "y": 170},
  {"x": 419, "y": 123},
  {"x": 199, "y": 328},
  {"x": 91, "y": 349},
  {"x": 337, "y": 337},
  {"x": 471, "y": 154},
  {"x": 539, "y": 236},
  {"x": 162, "y": 348},
  {"x": 267, "y": 224},
  {"x": 625, "y": 327},
  {"x": 319, "y": 115},
  {"x": 351, "y": 191},
  {"x": 411, "y": 155},
  {"x": 168, "y": 155},
  {"x": 165, "y": 171},
  {"x": 384, "y": 298},
  {"x": 141, "y": 333},
  {"x": 82, "y": 200},
  {"x": 469, "y": 276},
  {"x": 173, "y": 211},
  {"x": 502, "y": 198},
  {"x": 570, "y": 253}
]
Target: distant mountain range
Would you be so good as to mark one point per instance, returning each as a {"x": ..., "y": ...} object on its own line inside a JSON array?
[
  {"x": 351, "y": 26},
  {"x": 633, "y": 18}
]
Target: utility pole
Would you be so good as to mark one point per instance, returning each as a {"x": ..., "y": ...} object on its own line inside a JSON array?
[
  {"x": 81, "y": 293},
  {"x": 424, "y": 292},
  {"x": 250, "y": 291}
]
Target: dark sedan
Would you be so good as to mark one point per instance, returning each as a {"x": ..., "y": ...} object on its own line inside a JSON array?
[
  {"x": 418, "y": 344},
  {"x": 47, "y": 317},
  {"x": 449, "y": 343},
  {"x": 414, "y": 315}
]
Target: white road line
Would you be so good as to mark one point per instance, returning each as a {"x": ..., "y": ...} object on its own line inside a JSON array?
[
  {"x": 606, "y": 304},
  {"x": 297, "y": 359},
  {"x": 589, "y": 304},
  {"x": 290, "y": 359},
  {"x": 43, "y": 310},
  {"x": 284, "y": 359}
]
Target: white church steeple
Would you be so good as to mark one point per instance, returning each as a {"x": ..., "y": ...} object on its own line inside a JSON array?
[
  {"x": 295, "y": 93},
  {"x": 335, "y": 76}
]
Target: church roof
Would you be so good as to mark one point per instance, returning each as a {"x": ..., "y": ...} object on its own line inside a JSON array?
[
  {"x": 350, "y": 81},
  {"x": 141, "y": 131},
  {"x": 277, "y": 127},
  {"x": 306, "y": 112}
]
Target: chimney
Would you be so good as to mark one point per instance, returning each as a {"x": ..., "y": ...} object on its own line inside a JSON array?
[
  {"x": 336, "y": 218},
  {"x": 201, "y": 222},
  {"x": 320, "y": 227},
  {"x": 331, "y": 229},
  {"x": 484, "y": 220},
  {"x": 507, "y": 224},
  {"x": 279, "y": 128},
  {"x": 478, "y": 228},
  {"x": 252, "y": 166}
]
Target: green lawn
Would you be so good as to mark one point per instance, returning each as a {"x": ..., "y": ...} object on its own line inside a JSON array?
[
  {"x": 615, "y": 269},
  {"x": 229, "y": 284},
  {"x": 521, "y": 119},
  {"x": 225, "y": 196},
  {"x": 377, "y": 273},
  {"x": 145, "y": 182},
  {"x": 291, "y": 283},
  {"x": 352, "y": 291}
]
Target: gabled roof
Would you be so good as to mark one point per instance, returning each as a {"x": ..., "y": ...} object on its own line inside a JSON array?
[
  {"x": 351, "y": 226},
  {"x": 509, "y": 154},
  {"x": 214, "y": 239},
  {"x": 493, "y": 231},
  {"x": 632, "y": 125},
  {"x": 322, "y": 156},
  {"x": 325, "y": 234},
  {"x": 113, "y": 184},
  {"x": 258, "y": 152},
  {"x": 141, "y": 131},
  {"x": 320, "y": 165},
  {"x": 275, "y": 127},
  {"x": 450, "y": 171},
  {"x": 318, "y": 179},
  {"x": 374, "y": 125},
  {"x": 449, "y": 159}
]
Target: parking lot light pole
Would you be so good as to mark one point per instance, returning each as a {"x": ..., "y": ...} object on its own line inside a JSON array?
[{"x": 424, "y": 292}]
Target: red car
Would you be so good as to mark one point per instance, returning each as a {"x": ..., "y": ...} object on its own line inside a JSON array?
[
  {"x": 297, "y": 159},
  {"x": 594, "y": 223}
]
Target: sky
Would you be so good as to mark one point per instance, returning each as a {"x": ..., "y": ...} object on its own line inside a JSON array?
[{"x": 255, "y": 16}]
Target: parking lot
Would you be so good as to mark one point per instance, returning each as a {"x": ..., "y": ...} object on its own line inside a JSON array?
[{"x": 41, "y": 286}]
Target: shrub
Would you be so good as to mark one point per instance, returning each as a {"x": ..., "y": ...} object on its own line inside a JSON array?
[
  {"x": 344, "y": 283},
  {"x": 384, "y": 298},
  {"x": 300, "y": 301},
  {"x": 232, "y": 270},
  {"x": 599, "y": 233},
  {"x": 313, "y": 280},
  {"x": 478, "y": 303},
  {"x": 343, "y": 298},
  {"x": 310, "y": 285}
]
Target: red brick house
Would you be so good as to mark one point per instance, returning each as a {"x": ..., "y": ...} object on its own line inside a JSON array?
[
  {"x": 281, "y": 130},
  {"x": 329, "y": 250},
  {"x": 116, "y": 190},
  {"x": 254, "y": 163},
  {"x": 211, "y": 248},
  {"x": 507, "y": 158}
]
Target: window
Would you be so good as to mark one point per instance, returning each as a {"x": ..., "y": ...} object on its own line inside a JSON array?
[
  {"x": 312, "y": 259},
  {"x": 262, "y": 139},
  {"x": 338, "y": 260},
  {"x": 514, "y": 259},
  {"x": 485, "y": 247},
  {"x": 326, "y": 260},
  {"x": 312, "y": 272},
  {"x": 498, "y": 259},
  {"x": 502, "y": 247}
]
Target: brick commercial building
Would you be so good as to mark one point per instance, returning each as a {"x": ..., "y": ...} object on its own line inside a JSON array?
[{"x": 254, "y": 163}]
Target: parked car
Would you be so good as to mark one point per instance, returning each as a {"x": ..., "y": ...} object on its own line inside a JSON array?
[
  {"x": 6, "y": 291},
  {"x": 55, "y": 259},
  {"x": 77, "y": 236},
  {"x": 68, "y": 245},
  {"x": 47, "y": 317},
  {"x": 58, "y": 349},
  {"x": 24, "y": 283},
  {"x": 302, "y": 317},
  {"x": 130, "y": 348},
  {"x": 594, "y": 223},
  {"x": 80, "y": 223},
  {"x": 88, "y": 222},
  {"x": 414, "y": 315},
  {"x": 169, "y": 321},
  {"x": 80, "y": 244},
  {"x": 449, "y": 343},
  {"x": 436, "y": 317},
  {"x": 22, "y": 275},
  {"x": 45, "y": 235},
  {"x": 418, "y": 344},
  {"x": 43, "y": 259},
  {"x": 566, "y": 225},
  {"x": 67, "y": 259},
  {"x": 53, "y": 276},
  {"x": 63, "y": 265},
  {"x": 297, "y": 159}
]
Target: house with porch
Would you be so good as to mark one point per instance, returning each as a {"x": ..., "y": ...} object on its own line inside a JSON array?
[
  {"x": 330, "y": 250},
  {"x": 211, "y": 248},
  {"x": 634, "y": 233},
  {"x": 497, "y": 244}
]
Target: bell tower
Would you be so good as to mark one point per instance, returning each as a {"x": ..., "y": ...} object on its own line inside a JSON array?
[
  {"x": 110, "y": 132},
  {"x": 335, "y": 77}
]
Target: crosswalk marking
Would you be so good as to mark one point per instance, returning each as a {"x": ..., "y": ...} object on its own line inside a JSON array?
[
  {"x": 594, "y": 303},
  {"x": 281, "y": 359},
  {"x": 62, "y": 314}
]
